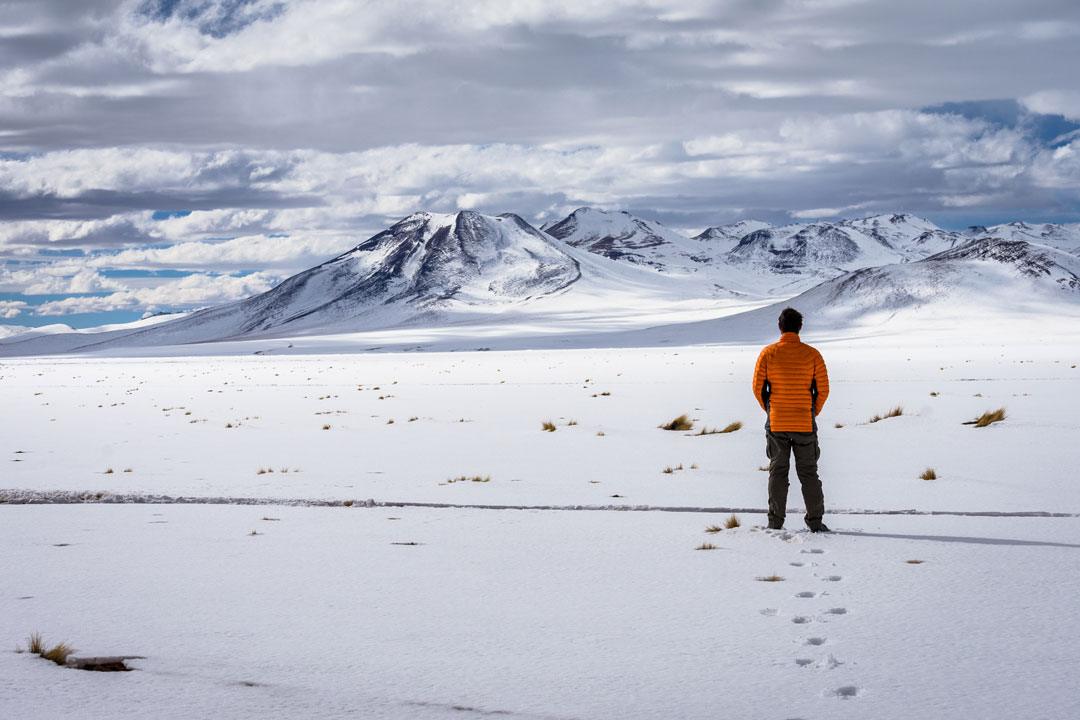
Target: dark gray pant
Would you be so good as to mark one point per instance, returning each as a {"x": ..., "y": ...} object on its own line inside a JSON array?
[{"x": 779, "y": 447}]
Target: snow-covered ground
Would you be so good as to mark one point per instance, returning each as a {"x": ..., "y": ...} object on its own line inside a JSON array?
[{"x": 586, "y": 613}]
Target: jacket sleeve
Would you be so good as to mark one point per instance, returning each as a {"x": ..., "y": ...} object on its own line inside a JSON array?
[
  {"x": 760, "y": 378},
  {"x": 821, "y": 382}
]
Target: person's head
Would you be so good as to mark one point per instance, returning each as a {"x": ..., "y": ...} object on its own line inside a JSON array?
[{"x": 790, "y": 320}]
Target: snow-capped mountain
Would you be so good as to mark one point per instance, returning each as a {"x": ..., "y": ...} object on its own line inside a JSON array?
[
  {"x": 621, "y": 236},
  {"x": 419, "y": 266},
  {"x": 1007, "y": 276},
  {"x": 1063, "y": 237},
  {"x": 826, "y": 249},
  {"x": 913, "y": 237},
  {"x": 723, "y": 238}
]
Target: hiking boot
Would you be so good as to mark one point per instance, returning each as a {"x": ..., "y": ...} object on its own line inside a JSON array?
[{"x": 819, "y": 527}]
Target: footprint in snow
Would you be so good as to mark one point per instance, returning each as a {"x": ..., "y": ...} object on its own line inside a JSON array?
[
  {"x": 796, "y": 564},
  {"x": 803, "y": 662},
  {"x": 832, "y": 578},
  {"x": 806, "y": 594},
  {"x": 815, "y": 641},
  {"x": 846, "y": 692},
  {"x": 837, "y": 611},
  {"x": 800, "y": 620},
  {"x": 768, "y": 612},
  {"x": 812, "y": 551}
]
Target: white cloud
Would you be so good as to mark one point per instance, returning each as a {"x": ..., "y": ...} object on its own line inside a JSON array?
[
  {"x": 256, "y": 251},
  {"x": 1055, "y": 102},
  {"x": 11, "y": 308},
  {"x": 188, "y": 292}
]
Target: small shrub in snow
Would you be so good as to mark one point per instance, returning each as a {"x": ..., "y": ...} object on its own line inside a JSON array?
[
  {"x": 713, "y": 529},
  {"x": 390, "y": 421},
  {"x": 928, "y": 474},
  {"x": 729, "y": 428},
  {"x": 732, "y": 522},
  {"x": 108, "y": 471},
  {"x": 705, "y": 546},
  {"x": 987, "y": 418},
  {"x": 895, "y": 412},
  {"x": 326, "y": 427},
  {"x": 838, "y": 425},
  {"x": 914, "y": 562},
  {"x": 934, "y": 394},
  {"x": 572, "y": 423},
  {"x": 668, "y": 470},
  {"x": 681, "y": 424},
  {"x": 547, "y": 426},
  {"x": 58, "y": 653},
  {"x": 35, "y": 643},
  {"x": 470, "y": 478},
  {"x": 771, "y": 578},
  {"x": 600, "y": 433}
]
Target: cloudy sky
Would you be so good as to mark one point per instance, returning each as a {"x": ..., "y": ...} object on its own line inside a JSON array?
[{"x": 168, "y": 154}]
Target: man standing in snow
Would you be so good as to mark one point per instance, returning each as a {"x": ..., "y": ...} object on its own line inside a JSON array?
[{"x": 791, "y": 384}]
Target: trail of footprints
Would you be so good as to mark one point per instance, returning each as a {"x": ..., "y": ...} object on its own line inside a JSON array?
[{"x": 814, "y": 639}]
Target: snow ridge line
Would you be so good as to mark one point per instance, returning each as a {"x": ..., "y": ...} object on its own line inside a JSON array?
[{"x": 70, "y": 497}]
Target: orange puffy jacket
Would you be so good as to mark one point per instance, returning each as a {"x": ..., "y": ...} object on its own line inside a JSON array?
[{"x": 791, "y": 384}]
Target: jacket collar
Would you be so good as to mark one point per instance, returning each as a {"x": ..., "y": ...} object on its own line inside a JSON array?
[{"x": 789, "y": 337}]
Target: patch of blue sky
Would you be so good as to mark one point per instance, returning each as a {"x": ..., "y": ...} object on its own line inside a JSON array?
[{"x": 166, "y": 214}]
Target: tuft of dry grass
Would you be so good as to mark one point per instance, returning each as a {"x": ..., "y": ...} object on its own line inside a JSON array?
[
  {"x": 228, "y": 425},
  {"x": 928, "y": 474},
  {"x": 58, "y": 653},
  {"x": 771, "y": 578},
  {"x": 694, "y": 466},
  {"x": 413, "y": 419},
  {"x": 668, "y": 470},
  {"x": 108, "y": 471},
  {"x": 935, "y": 393},
  {"x": 681, "y": 424},
  {"x": 127, "y": 470},
  {"x": 390, "y": 421},
  {"x": 838, "y": 425},
  {"x": 326, "y": 427},
  {"x": 35, "y": 643},
  {"x": 713, "y": 529},
  {"x": 706, "y": 546},
  {"x": 348, "y": 503},
  {"x": 470, "y": 478},
  {"x": 572, "y": 423},
  {"x": 732, "y": 522},
  {"x": 548, "y": 426},
  {"x": 914, "y": 562},
  {"x": 895, "y": 412},
  {"x": 600, "y": 433},
  {"x": 729, "y": 428},
  {"x": 987, "y": 418}
]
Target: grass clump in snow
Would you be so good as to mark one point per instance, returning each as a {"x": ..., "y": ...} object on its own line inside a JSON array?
[
  {"x": 895, "y": 412},
  {"x": 706, "y": 546},
  {"x": 548, "y": 426},
  {"x": 108, "y": 471},
  {"x": 681, "y": 424},
  {"x": 572, "y": 423},
  {"x": 470, "y": 478},
  {"x": 713, "y": 529},
  {"x": 928, "y": 474},
  {"x": 914, "y": 562},
  {"x": 58, "y": 653},
  {"x": 732, "y": 522},
  {"x": 729, "y": 428},
  {"x": 326, "y": 427},
  {"x": 987, "y": 418},
  {"x": 838, "y": 425},
  {"x": 771, "y": 578}
]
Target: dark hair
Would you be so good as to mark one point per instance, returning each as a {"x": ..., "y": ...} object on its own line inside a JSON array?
[{"x": 790, "y": 320}]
